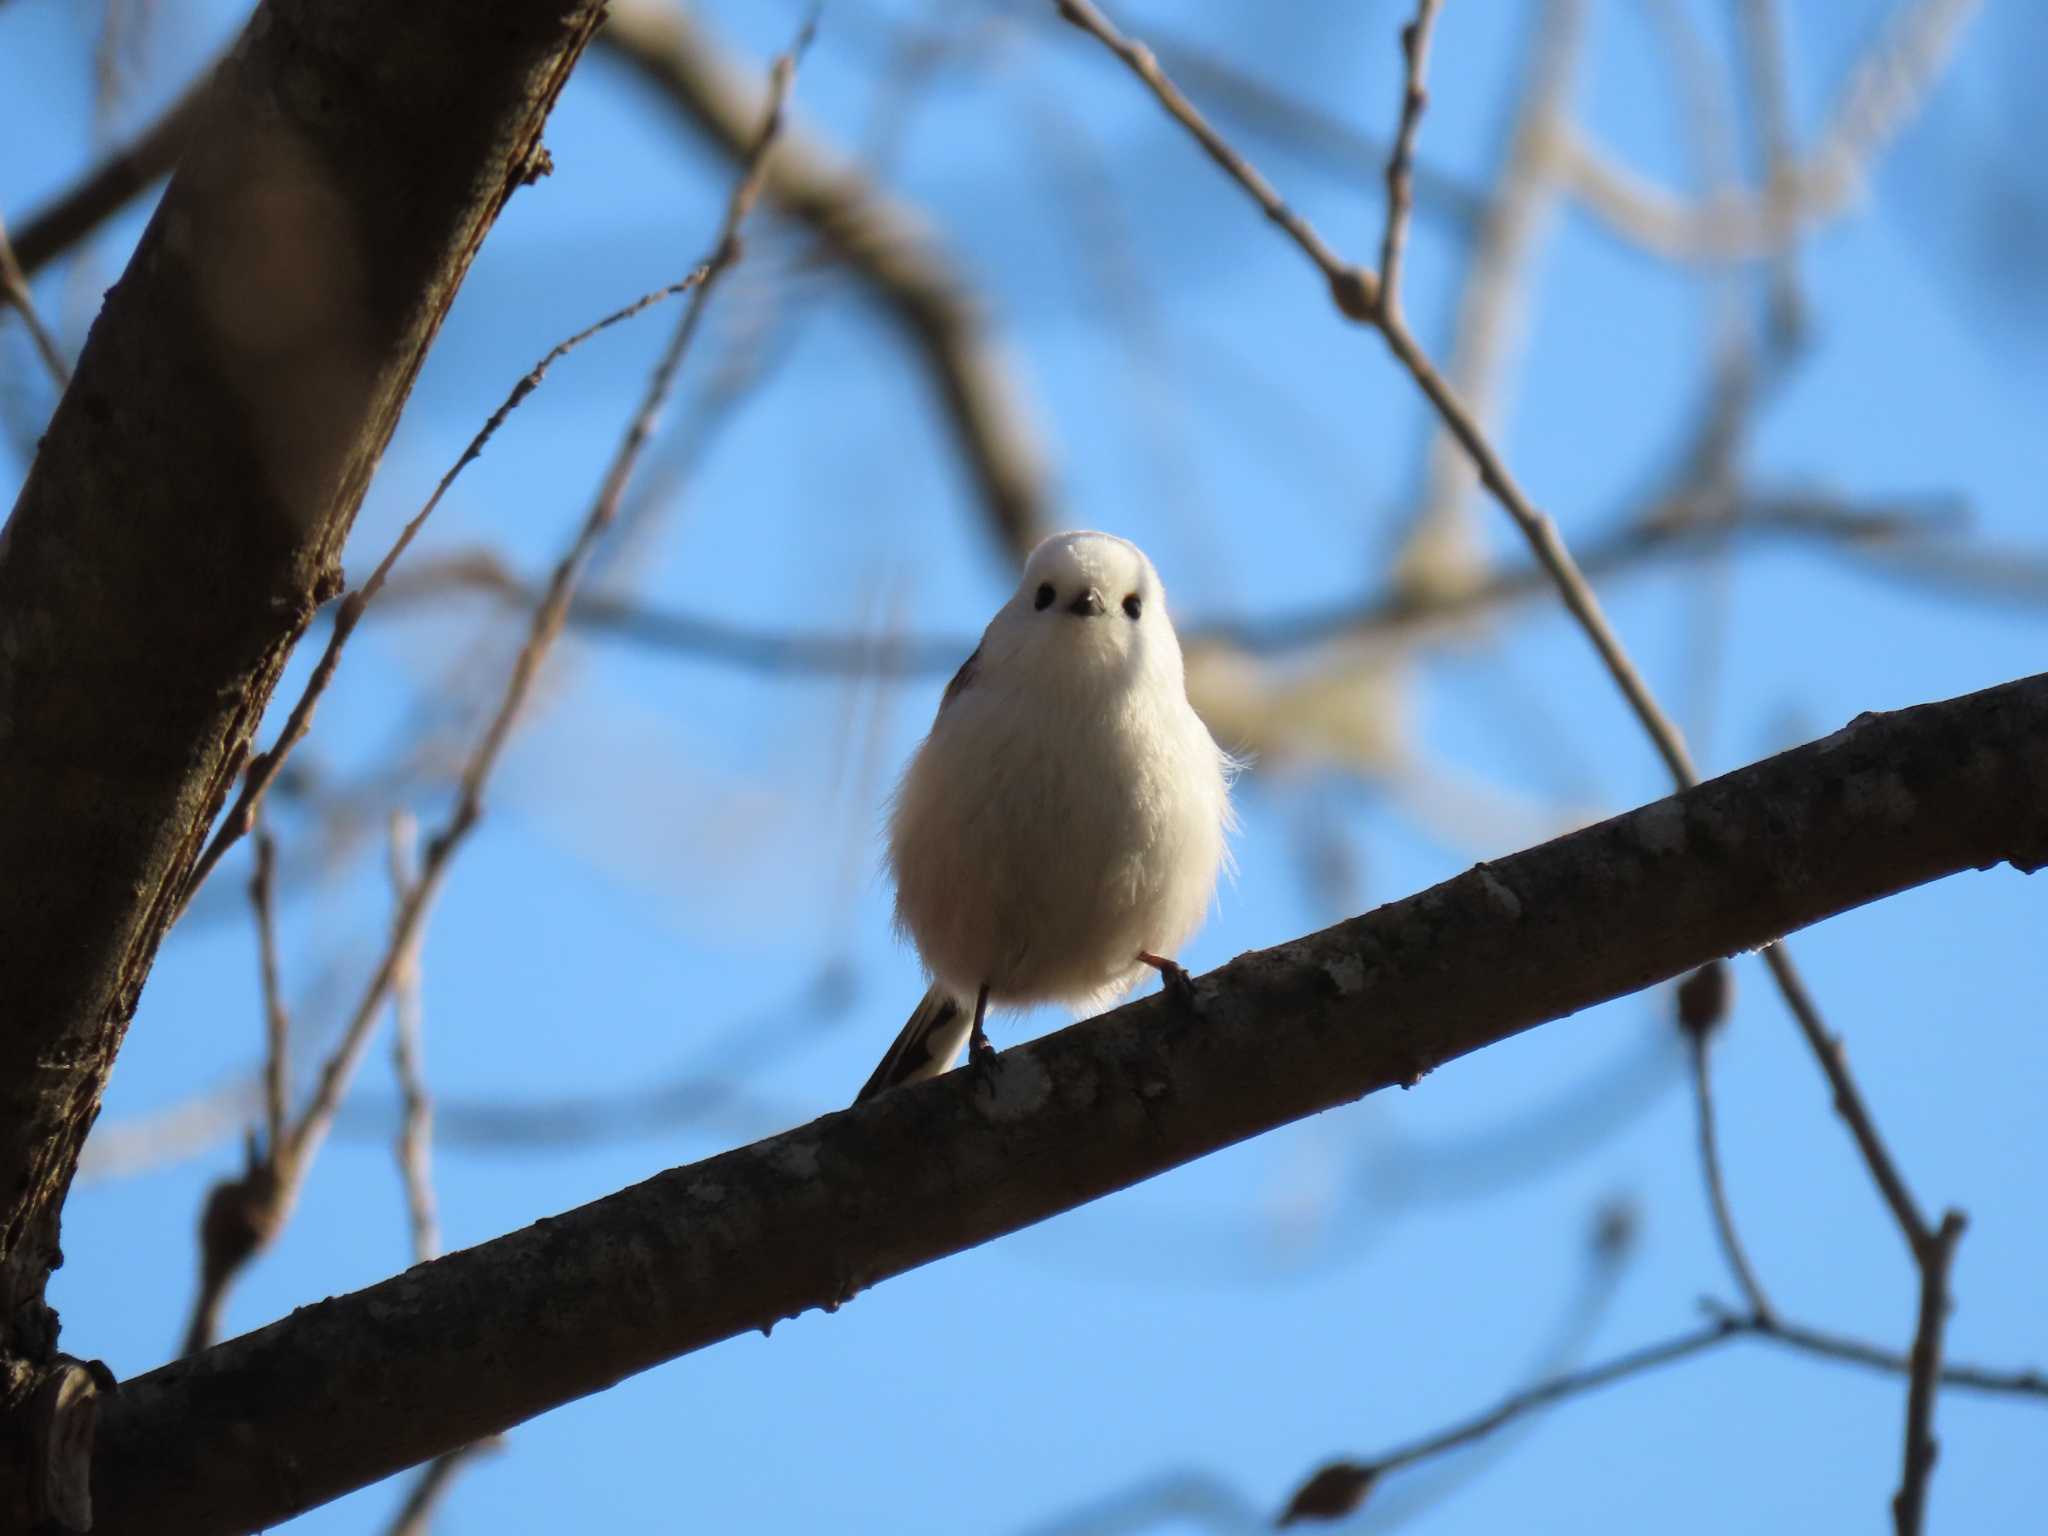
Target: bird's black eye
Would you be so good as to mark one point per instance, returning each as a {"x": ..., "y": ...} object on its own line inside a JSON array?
[
  {"x": 1045, "y": 595},
  {"x": 1132, "y": 607}
]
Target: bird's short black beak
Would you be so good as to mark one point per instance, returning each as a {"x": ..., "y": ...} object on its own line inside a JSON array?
[{"x": 1088, "y": 605}]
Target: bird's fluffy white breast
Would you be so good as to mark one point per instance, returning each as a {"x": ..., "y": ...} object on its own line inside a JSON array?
[{"x": 1044, "y": 834}]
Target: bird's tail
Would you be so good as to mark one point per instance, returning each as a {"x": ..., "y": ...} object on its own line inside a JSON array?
[{"x": 928, "y": 1045}]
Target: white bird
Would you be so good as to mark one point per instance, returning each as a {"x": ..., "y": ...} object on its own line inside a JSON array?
[{"x": 1062, "y": 826}]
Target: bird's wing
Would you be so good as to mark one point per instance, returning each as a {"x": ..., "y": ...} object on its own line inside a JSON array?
[{"x": 962, "y": 680}]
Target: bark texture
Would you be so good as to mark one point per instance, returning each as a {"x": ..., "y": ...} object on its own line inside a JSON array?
[
  {"x": 349, "y": 1390},
  {"x": 185, "y": 514}
]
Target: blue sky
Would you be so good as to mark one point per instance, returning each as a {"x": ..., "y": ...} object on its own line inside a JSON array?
[{"x": 675, "y": 852}]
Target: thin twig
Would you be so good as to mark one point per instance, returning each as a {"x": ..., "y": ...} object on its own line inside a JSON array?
[
  {"x": 1717, "y": 1191},
  {"x": 14, "y": 290},
  {"x": 1887, "y": 87},
  {"x": 1355, "y": 290},
  {"x": 1396, "y": 613},
  {"x": 415, "y": 1163},
  {"x": 1927, "y": 1247},
  {"x": 1340, "y": 1486},
  {"x": 2025, "y": 1382},
  {"x": 1763, "y": 49},
  {"x": 1571, "y": 584},
  {"x": 546, "y": 625},
  {"x": 263, "y": 769},
  {"x": 1703, "y": 1000},
  {"x": 1827, "y": 1048},
  {"x": 1307, "y": 132},
  {"x": 1709, "y": 465},
  {"x": 1909, "y": 1506},
  {"x": 1570, "y": 1384},
  {"x": 276, "y": 1021},
  {"x": 1722, "y": 1326},
  {"x": 887, "y": 244},
  {"x": 264, "y": 1209},
  {"x": 1438, "y": 549},
  {"x": 415, "y": 1517},
  {"x": 1548, "y": 548},
  {"x": 243, "y": 1213},
  {"x": 1400, "y": 163},
  {"x": 415, "y": 1144}
]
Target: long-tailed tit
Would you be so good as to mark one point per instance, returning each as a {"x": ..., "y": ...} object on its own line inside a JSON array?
[{"x": 1062, "y": 826}]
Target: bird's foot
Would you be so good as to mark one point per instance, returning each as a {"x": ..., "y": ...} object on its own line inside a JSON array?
[
  {"x": 1177, "y": 983},
  {"x": 981, "y": 1054}
]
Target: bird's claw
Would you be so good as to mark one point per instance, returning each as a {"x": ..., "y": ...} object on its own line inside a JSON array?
[
  {"x": 1178, "y": 985},
  {"x": 981, "y": 1054}
]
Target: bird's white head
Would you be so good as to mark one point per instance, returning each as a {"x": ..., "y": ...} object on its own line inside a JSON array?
[{"x": 1089, "y": 605}]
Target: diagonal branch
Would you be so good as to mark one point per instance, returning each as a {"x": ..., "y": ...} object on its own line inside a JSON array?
[
  {"x": 1354, "y": 290},
  {"x": 1356, "y": 293},
  {"x": 301, "y": 1145},
  {"x": 1926, "y": 1246},
  {"x": 14, "y": 292},
  {"x": 264, "y": 768},
  {"x": 484, "y": 1338},
  {"x": 1909, "y": 1506},
  {"x": 1703, "y": 1000}
]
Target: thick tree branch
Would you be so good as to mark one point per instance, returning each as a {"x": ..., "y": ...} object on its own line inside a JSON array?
[
  {"x": 185, "y": 514},
  {"x": 492, "y": 1335}
]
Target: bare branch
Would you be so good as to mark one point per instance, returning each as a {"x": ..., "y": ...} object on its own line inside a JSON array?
[
  {"x": 415, "y": 1145},
  {"x": 264, "y": 768},
  {"x": 1400, "y": 163},
  {"x": 1827, "y": 1049},
  {"x": 302, "y": 1143},
  {"x": 415, "y": 1162},
  {"x": 1834, "y": 1346},
  {"x": 1439, "y": 552},
  {"x": 1355, "y": 293},
  {"x": 1884, "y": 91},
  {"x": 277, "y": 1024},
  {"x": 812, "y": 1217},
  {"x": 1354, "y": 290},
  {"x": 251, "y": 364},
  {"x": 1340, "y": 1486},
  {"x": 415, "y": 1516},
  {"x": 1578, "y": 597},
  {"x": 1301, "y": 128},
  {"x": 884, "y": 242},
  {"x": 1763, "y": 51},
  {"x": 14, "y": 291},
  {"x": 1397, "y": 614},
  {"x": 1909, "y": 1507},
  {"x": 545, "y": 626},
  {"x": 1702, "y": 1008}
]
